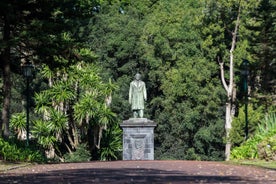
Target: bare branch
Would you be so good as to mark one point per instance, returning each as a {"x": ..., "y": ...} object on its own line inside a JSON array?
[
  {"x": 234, "y": 38},
  {"x": 222, "y": 75}
]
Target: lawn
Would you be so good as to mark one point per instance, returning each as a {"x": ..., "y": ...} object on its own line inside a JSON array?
[
  {"x": 259, "y": 163},
  {"x": 11, "y": 165}
]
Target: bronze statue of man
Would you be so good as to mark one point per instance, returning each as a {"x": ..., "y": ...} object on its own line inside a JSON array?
[{"x": 137, "y": 96}]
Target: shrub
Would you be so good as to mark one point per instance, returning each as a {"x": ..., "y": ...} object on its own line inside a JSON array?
[
  {"x": 267, "y": 149},
  {"x": 247, "y": 150},
  {"x": 80, "y": 155},
  {"x": 237, "y": 133},
  {"x": 111, "y": 145},
  {"x": 11, "y": 152},
  {"x": 262, "y": 145},
  {"x": 191, "y": 155}
]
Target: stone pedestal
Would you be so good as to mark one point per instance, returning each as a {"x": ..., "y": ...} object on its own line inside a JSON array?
[{"x": 138, "y": 139}]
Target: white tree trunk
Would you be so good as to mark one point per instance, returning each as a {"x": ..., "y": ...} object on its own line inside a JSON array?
[
  {"x": 228, "y": 126},
  {"x": 230, "y": 109}
]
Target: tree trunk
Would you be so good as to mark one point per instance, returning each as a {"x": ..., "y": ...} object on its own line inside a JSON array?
[
  {"x": 7, "y": 97},
  {"x": 228, "y": 126},
  {"x": 6, "y": 75},
  {"x": 231, "y": 95}
]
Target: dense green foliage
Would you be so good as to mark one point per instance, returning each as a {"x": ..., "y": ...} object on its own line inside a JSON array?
[
  {"x": 73, "y": 109},
  {"x": 15, "y": 151},
  {"x": 186, "y": 103},
  {"x": 262, "y": 145},
  {"x": 86, "y": 52},
  {"x": 80, "y": 155},
  {"x": 238, "y": 130}
]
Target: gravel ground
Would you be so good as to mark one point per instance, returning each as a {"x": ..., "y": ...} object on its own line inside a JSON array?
[{"x": 122, "y": 172}]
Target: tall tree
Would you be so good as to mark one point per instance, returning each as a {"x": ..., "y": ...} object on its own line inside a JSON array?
[
  {"x": 160, "y": 39},
  {"x": 22, "y": 38},
  {"x": 6, "y": 75},
  {"x": 11, "y": 15},
  {"x": 261, "y": 25},
  {"x": 230, "y": 88},
  {"x": 225, "y": 31},
  {"x": 115, "y": 37},
  {"x": 183, "y": 79}
]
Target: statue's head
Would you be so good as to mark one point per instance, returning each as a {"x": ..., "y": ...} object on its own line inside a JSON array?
[{"x": 138, "y": 76}]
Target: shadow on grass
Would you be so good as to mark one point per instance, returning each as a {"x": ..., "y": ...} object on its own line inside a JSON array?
[{"x": 119, "y": 176}]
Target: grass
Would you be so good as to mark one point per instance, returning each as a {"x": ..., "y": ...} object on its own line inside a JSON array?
[
  {"x": 4, "y": 166},
  {"x": 258, "y": 163}
]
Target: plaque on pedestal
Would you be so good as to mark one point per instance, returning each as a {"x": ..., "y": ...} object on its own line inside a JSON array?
[{"x": 138, "y": 139}]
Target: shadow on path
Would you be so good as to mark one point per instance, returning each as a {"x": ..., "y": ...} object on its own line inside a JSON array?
[{"x": 118, "y": 176}]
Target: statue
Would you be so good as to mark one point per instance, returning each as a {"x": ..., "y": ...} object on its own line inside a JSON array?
[{"x": 137, "y": 96}]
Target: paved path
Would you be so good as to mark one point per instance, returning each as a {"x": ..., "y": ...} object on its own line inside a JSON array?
[{"x": 128, "y": 172}]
